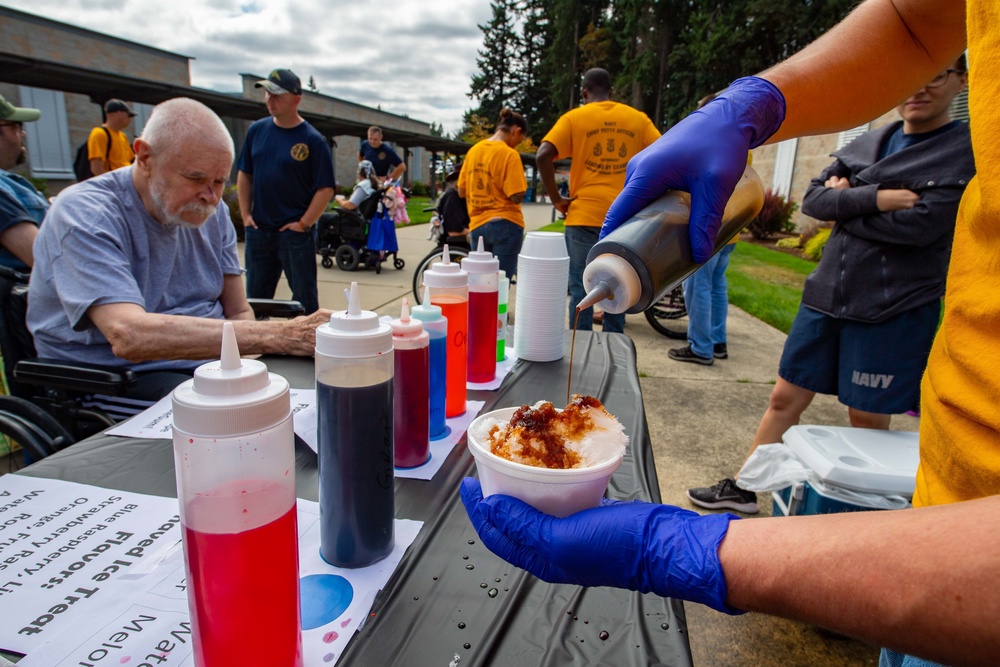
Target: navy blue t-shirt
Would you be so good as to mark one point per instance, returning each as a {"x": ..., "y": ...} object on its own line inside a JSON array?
[
  {"x": 897, "y": 141},
  {"x": 288, "y": 166},
  {"x": 382, "y": 158}
]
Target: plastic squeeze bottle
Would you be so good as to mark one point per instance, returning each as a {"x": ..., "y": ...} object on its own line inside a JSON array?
[
  {"x": 449, "y": 290},
  {"x": 484, "y": 279},
  {"x": 634, "y": 266},
  {"x": 503, "y": 295},
  {"x": 436, "y": 326},
  {"x": 234, "y": 454},
  {"x": 354, "y": 392},
  {"x": 411, "y": 390}
]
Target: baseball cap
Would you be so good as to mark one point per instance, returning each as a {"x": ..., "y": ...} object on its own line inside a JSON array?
[
  {"x": 281, "y": 81},
  {"x": 117, "y": 105},
  {"x": 17, "y": 114}
]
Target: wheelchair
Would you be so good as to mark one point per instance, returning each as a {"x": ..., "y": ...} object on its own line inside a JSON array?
[
  {"x": 342, "y": 235},
  {"x": 46, "y": 410}
]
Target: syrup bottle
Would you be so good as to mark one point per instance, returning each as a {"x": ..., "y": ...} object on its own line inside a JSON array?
[
  {"x": 449, "y": 290},
  {"x": 411, "y": 390},
  {"x": 436, "y": 327},
  {"x": 483, "y": 269}
]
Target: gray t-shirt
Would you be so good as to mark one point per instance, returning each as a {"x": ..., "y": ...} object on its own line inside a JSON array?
[
  {"x": 99, "y": 246},
  {"x": 362, "y": 191}
]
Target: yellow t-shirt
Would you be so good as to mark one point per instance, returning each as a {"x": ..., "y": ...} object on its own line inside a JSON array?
[
  {"x": 121, "y": 154},
  {"x": 601, "y": 137},
  {"x": 960, "y": 417},
  {"x": 491, "y": 173}
]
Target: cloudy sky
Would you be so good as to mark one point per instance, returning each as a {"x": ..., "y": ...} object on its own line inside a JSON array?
[{"x": 413, "y": 57}]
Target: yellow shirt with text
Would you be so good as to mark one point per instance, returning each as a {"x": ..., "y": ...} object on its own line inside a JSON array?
[
  {"x": 601, "y": 137},
  {"x": 960, "y": 416},
  {"x": 491, "y": 174}
]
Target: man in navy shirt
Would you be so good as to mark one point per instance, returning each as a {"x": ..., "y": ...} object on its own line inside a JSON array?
[
  {"x": 284, "y": 184},
  {"x": 22, "y": 206},
  {"x": 381, "y": 155}
]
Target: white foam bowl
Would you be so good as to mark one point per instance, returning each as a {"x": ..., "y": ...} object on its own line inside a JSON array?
[{"x": 559, "y": 492}]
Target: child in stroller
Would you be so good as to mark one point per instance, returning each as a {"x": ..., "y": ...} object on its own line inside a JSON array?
[{"x": 345, "y": 234}]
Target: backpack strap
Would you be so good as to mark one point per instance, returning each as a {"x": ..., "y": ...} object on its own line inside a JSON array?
[{"x": 107, "y": 153}]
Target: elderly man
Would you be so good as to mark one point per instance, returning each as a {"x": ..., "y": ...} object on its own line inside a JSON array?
[
  {"x": 138, "y": 267},
  {"x": 22, "y": 206}
]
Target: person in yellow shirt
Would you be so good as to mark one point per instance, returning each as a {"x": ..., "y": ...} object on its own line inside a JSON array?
[
  {"x": 492, "y": 183},
  {"x": 117, "y": 117},
  {"x": 601, "y": 136}
]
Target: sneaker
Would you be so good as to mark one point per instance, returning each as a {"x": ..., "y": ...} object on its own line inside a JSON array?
[
  {"x": 724, "y": 495},
  {"x": 685, "y": 354},
  {"x": 720, "y": 351}
]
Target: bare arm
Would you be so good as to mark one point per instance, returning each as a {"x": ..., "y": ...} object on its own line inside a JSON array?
[
  {"x": 136, "y": 335},
  {"x": 97, "y": 167},
  {"x": 316, "y": 207},
  {"x": 244, "y": 193},
  {"x": 841, "y": 80},
  {"x": 19, "y": 239},
  {"x": 921, "y": 581},
  {"x": 234, "y": 299},
  {"x": 398, "y": 171},
  {"x": 544, "y": 158}
]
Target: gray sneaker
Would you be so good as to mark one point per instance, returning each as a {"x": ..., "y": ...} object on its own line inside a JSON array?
[{"x": 724, "y": 495}]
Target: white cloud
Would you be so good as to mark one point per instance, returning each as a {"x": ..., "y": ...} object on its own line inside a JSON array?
[{"x": 412, "y": 57}]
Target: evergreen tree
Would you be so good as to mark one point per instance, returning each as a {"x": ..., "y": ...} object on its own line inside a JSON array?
[{"x": 494, "y": 85}]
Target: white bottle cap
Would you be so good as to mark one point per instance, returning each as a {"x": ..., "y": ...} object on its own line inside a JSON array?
[
  {"x": 427, "y": 311},
  {"x": 619, "y": 276},
  {"x": 446, "y": 273},
  {"x": 407, "y": 333},
  {"x": 479, "y": 261},
  {"x": 230, "y": 397},
  {"x": 353, "y": 333}
]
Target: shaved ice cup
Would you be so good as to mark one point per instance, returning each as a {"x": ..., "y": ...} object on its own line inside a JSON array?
[{"x": 559, "y": 492}]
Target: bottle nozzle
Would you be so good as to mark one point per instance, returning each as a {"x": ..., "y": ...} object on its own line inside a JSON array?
[
  {"x": 427, "y": 296},
  {"x": 600, "y": 292},
  {"x": 404, "y": 312},
  {"x": 353, "y": 300},
  {"x": 230, "y": 350},
  {"x": 445, "y": 255},
  {"x": 480, "y": 247}
]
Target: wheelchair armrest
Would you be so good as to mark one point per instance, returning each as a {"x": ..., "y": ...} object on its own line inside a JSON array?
[
  {"x": 86, "y": 378},
  {"x": 267, "y": 308}
]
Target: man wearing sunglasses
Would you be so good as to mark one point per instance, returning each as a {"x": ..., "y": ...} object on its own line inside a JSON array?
[
  {"x": 22, "y": 206},
  {"x": 870, "y": 310}
]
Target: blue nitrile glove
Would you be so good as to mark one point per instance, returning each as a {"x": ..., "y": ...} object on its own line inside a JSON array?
[
  {"x": 705, "y": 154},
  {"x": 641, "y": 546}
]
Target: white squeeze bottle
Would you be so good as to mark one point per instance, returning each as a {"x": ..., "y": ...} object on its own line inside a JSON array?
[{"x": 234, "y": 454}]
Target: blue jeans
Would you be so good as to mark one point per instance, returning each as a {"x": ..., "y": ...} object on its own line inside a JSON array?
[
  {"x": 503, "y": 238},
  {"x": 269, "y": 252},
  {"x": 707, "y": 303},
  {"x": 579, "y": 241}
]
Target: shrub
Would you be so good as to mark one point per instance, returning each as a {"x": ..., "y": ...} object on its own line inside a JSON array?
[
  {"x": 790, "y": 242},
  {"x": 775, "y": 216},
  {"x": 811, "y": 229},
  {"x": 814, "y": 248},
  {"x": 230, "y": 196},
  {"x": 419, "y": 189}
]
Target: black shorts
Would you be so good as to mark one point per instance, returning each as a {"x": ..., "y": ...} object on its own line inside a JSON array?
[{"x": 875, "y": 367}]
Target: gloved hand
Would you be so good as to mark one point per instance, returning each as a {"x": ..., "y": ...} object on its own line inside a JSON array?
[
  {"x": 641, "y": 546},
  {"x": 705, "y": 154}
]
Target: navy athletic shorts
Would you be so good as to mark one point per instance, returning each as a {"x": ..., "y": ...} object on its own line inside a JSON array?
[{"x": 875, "y": 367}]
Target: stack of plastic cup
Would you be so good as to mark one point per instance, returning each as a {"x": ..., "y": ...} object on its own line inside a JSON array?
[{"x": 540, "y": 304}]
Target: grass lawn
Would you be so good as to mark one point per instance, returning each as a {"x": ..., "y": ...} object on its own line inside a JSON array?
[
  {"x": 767, "y": 283},
  {"x": 415, "y": 209},
  {"x": 556, "y": 226}
]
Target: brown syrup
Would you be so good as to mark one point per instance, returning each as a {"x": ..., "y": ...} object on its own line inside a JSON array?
[
  {"x": 544, "y": 432},
  {"x": 572, "y": 347}
]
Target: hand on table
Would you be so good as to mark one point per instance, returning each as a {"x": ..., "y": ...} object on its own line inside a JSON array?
[
  {"x": 644, "y": 547},
  {"x": 705, "y": 155},
  {"x": 299, "y": 333}
]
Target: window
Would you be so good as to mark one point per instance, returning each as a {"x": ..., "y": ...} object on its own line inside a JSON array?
[
  {"x": 847, "y": 136},
  {"x": 49, "y": 150},
  {"x": 141, "y": 112},
  {"x": 784, "y": 166}
]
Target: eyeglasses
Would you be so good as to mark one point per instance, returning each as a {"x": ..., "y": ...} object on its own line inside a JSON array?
[
  {"x": 18, "y": 125},
  {"x": 941, "y": 78}
]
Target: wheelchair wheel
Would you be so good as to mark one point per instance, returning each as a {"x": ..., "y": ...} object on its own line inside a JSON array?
[
  {"x": 327, "y": 262},
  {"x": 455, "y": 253},
  {"x": 662, "y": 314},
  {"x": 347, "y": 258},
  {"x": 398, "y": 263}
]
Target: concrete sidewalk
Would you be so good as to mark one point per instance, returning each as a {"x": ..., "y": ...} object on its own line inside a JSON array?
[{"x": 701, "y": 419}]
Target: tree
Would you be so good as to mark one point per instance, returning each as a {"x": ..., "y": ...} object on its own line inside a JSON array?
[
  {"x": 312, "y": 84},
  {"x": 493, "y": 85}
]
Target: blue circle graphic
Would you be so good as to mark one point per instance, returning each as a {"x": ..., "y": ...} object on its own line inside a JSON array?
[{"x": 324, "y": 598}]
